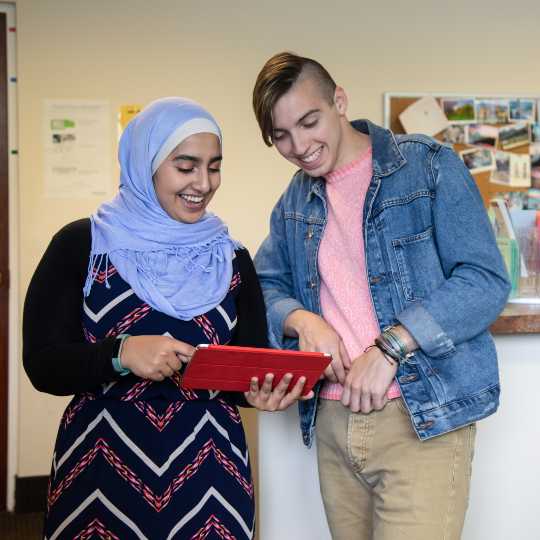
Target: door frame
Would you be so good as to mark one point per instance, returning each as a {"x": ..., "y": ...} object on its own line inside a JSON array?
[
  {"x": 4, "y": 259},
  {"x": 14, "y": 340}
]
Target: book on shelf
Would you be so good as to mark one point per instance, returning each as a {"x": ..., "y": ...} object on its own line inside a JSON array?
[
  {"x": 507, "y": 241},
  {"x": 500, "y": 219},
  {"x": 510, "y": 252}
]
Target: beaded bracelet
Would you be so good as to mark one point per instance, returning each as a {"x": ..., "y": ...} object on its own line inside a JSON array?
[{"x": 389, "y": 359}]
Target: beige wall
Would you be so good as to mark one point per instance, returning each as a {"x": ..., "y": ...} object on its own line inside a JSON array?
[{"x": 132, "y": 51}]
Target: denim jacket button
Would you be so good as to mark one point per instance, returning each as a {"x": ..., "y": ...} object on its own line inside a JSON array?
[
  {"x": 375, "y": 279},
  {"x": 425, "y": 425}
]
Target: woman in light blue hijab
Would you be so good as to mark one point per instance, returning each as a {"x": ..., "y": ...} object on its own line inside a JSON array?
[
  {"x": 115, "y": 307},
  {"x": 176, "y": 257}
]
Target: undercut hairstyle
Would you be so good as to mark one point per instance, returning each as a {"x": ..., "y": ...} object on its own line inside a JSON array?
[{"x": 277, "y": 77}]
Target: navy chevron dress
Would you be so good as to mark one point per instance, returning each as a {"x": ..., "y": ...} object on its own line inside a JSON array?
[{"x": 151, "y": 460}]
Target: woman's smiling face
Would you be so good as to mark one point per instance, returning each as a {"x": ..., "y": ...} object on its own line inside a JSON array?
[{"x": 188, "y": 178}]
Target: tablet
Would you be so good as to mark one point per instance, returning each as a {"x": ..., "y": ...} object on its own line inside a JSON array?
[{"x": 224, "y": 367}]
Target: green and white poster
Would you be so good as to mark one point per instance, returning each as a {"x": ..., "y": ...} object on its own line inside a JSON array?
[{"x": 77, "y": 149}]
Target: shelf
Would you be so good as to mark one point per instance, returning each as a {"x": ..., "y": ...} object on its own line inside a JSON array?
[{"x": 518, "y": 319}]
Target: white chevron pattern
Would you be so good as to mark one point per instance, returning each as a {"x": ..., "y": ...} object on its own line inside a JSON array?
[
  {"x": 226, "y": 318},
  {"x": 158, "y": 470},
  {"x": 96, "y": 317},
  {"x": 212, "y": 492},
  {"x": 106, "y": 387},
  {"x": 98, "y": 495},
  {"x": 108, "y": 504}
]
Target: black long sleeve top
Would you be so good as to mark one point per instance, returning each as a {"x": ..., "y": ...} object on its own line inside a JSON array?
[{"x": 56, "y": 357}]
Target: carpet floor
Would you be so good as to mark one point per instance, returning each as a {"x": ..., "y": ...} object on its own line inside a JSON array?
[{"x": 21, "y": 526}]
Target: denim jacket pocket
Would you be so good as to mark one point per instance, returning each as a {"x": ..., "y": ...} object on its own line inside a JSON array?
[
  {"x": 415, "y": 255},
  {"x": 306, "y": 232}
]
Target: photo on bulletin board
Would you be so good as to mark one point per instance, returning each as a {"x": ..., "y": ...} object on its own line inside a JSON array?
[
  {"x": 534, "y": 152},
  {"x": 482, "y": 135},
  {"x": 478, "y": 159},
  {"x": 522, "y": 110},
  {"x": 492, "y": 111},
  {"x": 455, "y": 134},
  {"x": 515, "y": 135},
  {"x": 459, "y": 110},
  {"x": 501, "y": 173}
]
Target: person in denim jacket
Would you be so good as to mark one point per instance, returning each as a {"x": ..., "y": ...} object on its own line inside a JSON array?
[{"x": 380, "y": 252}]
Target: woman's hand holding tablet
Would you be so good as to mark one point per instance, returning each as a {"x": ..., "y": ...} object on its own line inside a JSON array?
[
  {"x": 279, "y": 397},
  {"x": 242, "y": 369}
]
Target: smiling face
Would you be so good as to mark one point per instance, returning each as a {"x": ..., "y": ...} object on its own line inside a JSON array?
[
  {"x": 308, "y": 130},
  {"x": 188, "y": 178}
]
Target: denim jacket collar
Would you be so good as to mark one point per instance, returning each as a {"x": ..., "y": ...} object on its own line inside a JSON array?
[{"x": 387, "y": 158}]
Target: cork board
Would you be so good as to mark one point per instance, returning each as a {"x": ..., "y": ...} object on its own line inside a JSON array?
[{"x": 395, "y": 104}]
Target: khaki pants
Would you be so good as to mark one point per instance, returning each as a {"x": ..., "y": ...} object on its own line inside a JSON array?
[{"x": 379, "y": 482}]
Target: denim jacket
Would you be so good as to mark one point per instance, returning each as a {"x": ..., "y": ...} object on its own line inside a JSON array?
[{"x": 432, "y": 265}]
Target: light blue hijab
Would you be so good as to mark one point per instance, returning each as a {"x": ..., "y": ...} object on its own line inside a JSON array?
[{"x": 180, "y": 269}]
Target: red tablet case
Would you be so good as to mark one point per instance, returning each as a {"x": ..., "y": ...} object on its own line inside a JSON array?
[{"x": 223, "y": 367}]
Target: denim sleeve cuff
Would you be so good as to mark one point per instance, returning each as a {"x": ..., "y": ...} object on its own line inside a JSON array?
[
  {"x": 431, "y": 338},
  {"x": 276, "y": 319}
]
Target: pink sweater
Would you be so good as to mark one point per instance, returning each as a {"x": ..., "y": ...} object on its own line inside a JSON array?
[{"x": 345, "y": 298}]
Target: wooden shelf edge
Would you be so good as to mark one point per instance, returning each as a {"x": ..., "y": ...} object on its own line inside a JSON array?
[{"x": 518, "y": 319}]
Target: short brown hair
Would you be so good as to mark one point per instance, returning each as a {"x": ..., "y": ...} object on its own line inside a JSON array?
[{"x": 277, "y": 77}]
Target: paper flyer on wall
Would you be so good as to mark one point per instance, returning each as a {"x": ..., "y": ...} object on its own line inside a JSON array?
[
  {"x": 77, "y": 148},
  {"x": 424, "y": 116},
  {"x": 126, "y": 113}
]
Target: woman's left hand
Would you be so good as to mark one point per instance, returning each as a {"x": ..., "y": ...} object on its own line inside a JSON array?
[{"x": 278, "y": 399}]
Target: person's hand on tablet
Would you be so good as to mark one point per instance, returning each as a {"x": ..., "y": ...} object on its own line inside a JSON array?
[
  {"x": 278, "y": 399},
  {"x": 155, "y": 357},
  {"x": 316, "y": 335}
]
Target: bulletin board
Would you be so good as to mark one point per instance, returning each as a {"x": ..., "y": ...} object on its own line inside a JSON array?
[{"x": 503, "y": 114}]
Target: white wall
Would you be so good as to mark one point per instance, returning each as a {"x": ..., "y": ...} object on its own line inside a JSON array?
[
  {"x": 132, "y": 51},
  {"x": 506, "y": 470}
]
